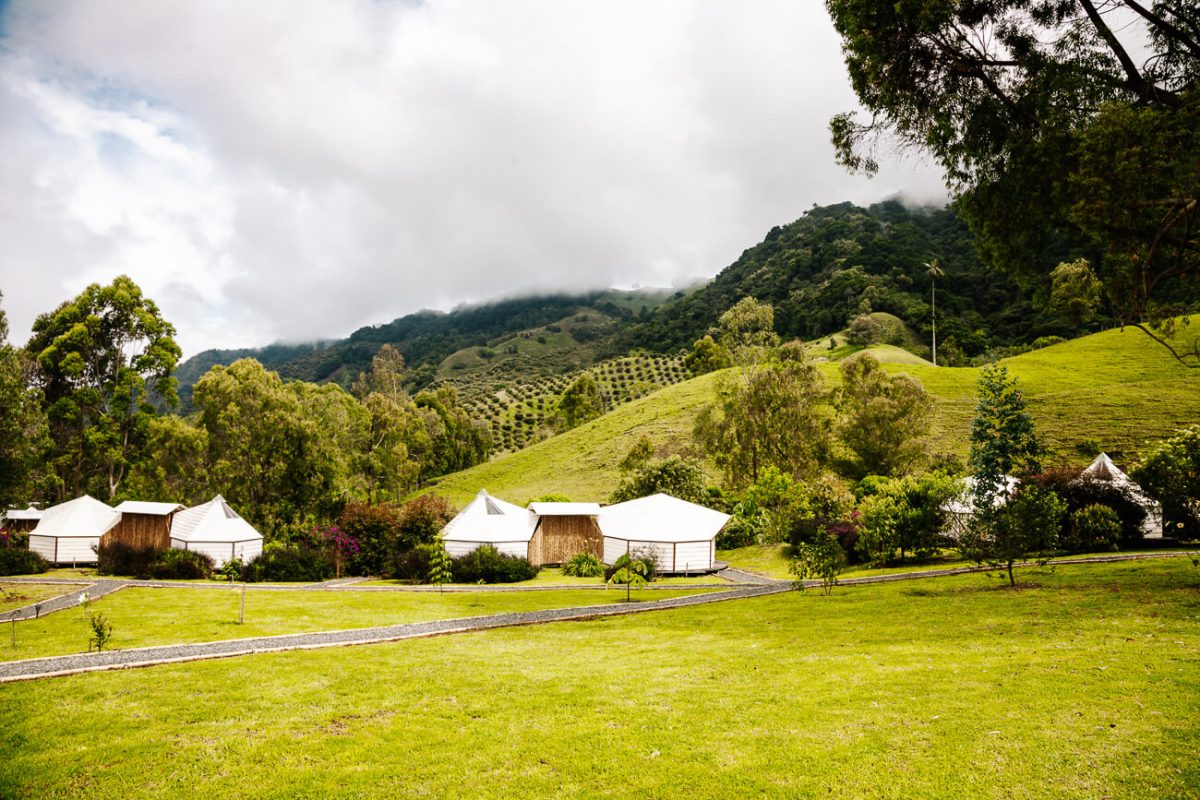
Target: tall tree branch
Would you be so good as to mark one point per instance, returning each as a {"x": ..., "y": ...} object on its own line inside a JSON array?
[
  {"x": 1134, "y": 79},
  {"x": 1165, "y": 26}
]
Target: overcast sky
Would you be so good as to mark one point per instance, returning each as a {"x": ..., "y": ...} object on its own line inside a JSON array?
[{"x": 289, "y": 169}]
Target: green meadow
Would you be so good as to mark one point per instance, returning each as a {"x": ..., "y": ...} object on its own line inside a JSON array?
[
  {"x": 1117, "y": 389},
  {"x": 1084, "y": 682},
  {"x": 146, "y": 617}
]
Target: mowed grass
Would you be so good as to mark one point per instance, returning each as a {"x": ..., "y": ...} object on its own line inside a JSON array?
[
  {"x": 146, "y": 617},
  {"x": 19, "y": 595},
  {"x": 1117, "y": 388},
  {"x": 552, "y": 576},
  {"x": 1085, "y": 683}
]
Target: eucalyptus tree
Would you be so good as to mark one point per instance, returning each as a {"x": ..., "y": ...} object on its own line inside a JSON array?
[{"x": 102, "y": 360}]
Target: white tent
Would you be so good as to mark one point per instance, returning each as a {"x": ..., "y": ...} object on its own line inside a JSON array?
[
  {"x": 961, "y": 509},
  {"x": 681, "y": 534},
  {"x": 490, "y": 520},
  {"x": 216, "y": 530},
  {"x": 1103, "y": 469},
  {"x": 68, "y": 532}
]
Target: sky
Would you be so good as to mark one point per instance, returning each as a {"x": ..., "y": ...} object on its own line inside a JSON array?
[{"x": 287, "y": 170}]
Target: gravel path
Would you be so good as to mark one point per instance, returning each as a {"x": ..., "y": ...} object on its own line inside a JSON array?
[
  {"x": 146, "y": 656},
  {"x": 63, "y": 601}
]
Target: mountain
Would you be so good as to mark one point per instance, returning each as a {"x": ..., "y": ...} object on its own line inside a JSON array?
[{"x": 834, "y": 263}]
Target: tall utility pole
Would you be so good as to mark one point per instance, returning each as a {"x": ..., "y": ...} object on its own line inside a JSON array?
[{"x": 935, "y": 272}]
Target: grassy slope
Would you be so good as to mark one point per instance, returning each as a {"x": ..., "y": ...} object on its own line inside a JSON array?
[
  {"x": 147, "y": 617},
  {"x": 1085, "y": 686},
  {"x": 1117, "y": 387}
]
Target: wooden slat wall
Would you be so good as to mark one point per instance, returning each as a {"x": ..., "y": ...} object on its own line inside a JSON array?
[
  {"x": 141, "y": 531},
  {"x": 559, "y": 538}
]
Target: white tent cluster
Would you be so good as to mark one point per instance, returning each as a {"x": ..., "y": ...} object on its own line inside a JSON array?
[
  {"x": 680, "y": 534},
  {"x": 70, "y": 532},
  {"x": 962, "y": 508}
]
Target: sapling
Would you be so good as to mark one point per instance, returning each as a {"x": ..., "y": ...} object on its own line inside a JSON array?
[{"x": 101, "y": 631}]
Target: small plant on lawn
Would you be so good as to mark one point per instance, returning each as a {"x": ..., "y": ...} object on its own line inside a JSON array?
[
  {"x": 441, "y": 568},
  {"x": 821, "y": 558},
  {"x": 102, "y": 631},
  {"x": 583, "y": 565},
  {"x": 631, "y": 574},
  {"x": 231, "y": 570}
]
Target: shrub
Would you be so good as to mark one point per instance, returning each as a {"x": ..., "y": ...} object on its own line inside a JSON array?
[
  {"x": 181, "y": 565},
  {"x": 102, "y": 631},
  {"x": 738, "y": 532},
  {"x": 413, "y": 565},
  {"x": 489, "y": 565},
  {"x": 118, "y": 558},
  {"x": 822, "y": 558},
  {"x": 231, "y": 570},
  {"x": 583, "y": 565},
  {"x": 14, "y": 539},
  {"x": 288, "y": 564},
  {"x": 422, "y": 520},
  {"x": 646, "y": 558},
  {"x": 1082, "y": 492},
  {"x": 1092, "y": 528},
  {"x": 15, "y": 561},
  {"x": 376, "y": 528}
]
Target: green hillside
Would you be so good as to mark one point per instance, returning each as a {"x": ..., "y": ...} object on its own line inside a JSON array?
[{"x": 1117, "y": 388}]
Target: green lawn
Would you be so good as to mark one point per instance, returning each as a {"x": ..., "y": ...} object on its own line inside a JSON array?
[
  {"x": 147, "y": 617},
  {"x": 552, "y": 576},
  {"x": 1117, "y": 387},
  {"x": 18, "y": 595},
  {"x": 1085, "y": 683}
]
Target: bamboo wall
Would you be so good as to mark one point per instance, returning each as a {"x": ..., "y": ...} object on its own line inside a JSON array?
[
  {"x": 559, "y": 538},
  {"x": 141, "y": 531}
]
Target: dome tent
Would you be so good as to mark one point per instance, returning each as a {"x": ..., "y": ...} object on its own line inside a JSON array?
[
  {"x": 216, "y": 530},
  {"x": 70, "y": 532}
]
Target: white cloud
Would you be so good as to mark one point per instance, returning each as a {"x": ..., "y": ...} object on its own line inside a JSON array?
[{"x": 296, "y": 169}]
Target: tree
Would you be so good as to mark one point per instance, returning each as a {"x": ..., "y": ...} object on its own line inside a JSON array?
[
  {"x": 707, "y": 356},
  {"x": 422, "y": 520},
  {"x": 440, "y": 566},
  {"x": 674, "y": 476},
  {"x": 1026, "y": 526},
  {"x": 101, "y": 361},
  {"x": 376, "y": 528},
  {"x": 822, "y": 558},
  {"x": 451, "y": 439},
  {"x": 883, "y": 419},
  {"x": 24, "y": 435},
  {"x": 174, "y": 466},
  {"x": 747, "y": 333},
  {"x": 580, "y": 402},
  {"x": 1003, "y": 439},
  {"x": 631, "y": 573},
  {"x": 905, "y": 514},
  {"x": 1075, "y": 291},
  {"x": 264, "y": 452},
  {"x": 1048, "y": 131},
  {"x": 638, "y": 456},
  {"x": 395, "y": 430},
  {"x": 1170, "y": 472},
  {"x": 777, "y": 416}
]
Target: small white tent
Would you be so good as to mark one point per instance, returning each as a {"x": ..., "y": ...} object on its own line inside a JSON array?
[
  {"x": 1103, "y": 469},
  {"x": 681, "y": 534},
  {"x": 490, "y": 520},
  {"x": 216, "y": 530},
  {"x": 961, "y": 508},
  {"x": 68, "y": 532}
]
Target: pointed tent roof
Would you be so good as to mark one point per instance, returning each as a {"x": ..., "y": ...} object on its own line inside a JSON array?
[
  {"x": 661, "y": 518},
  {"x": 213, "y": 521},
  {"x": 83, "y": 517},
  {"x": 1103, "y": 469},
  {"x": 489, "y": 519}
]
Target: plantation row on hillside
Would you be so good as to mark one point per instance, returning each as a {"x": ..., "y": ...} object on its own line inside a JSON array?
[{"x": 1117, "y": 391}]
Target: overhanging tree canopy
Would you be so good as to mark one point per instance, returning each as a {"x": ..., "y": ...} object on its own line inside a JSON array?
[{"x": 1055, "y": 121}]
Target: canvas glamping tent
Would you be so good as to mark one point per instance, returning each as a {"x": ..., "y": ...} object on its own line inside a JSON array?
[
  {"x": 681, "y": 534},
  {"x": 490, "y": 520},
  {"x": 216, "y": 530},
  {"x": 17, "y": 520},
  {"x": 69, "y": 532},
  {"x": 1103, "y": 469}
]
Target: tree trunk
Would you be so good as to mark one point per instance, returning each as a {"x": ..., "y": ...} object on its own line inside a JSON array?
[{"x": 1011, "y": 580}]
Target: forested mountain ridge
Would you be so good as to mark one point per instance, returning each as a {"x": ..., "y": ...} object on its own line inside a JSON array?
[{"x": 834, "y": 263}]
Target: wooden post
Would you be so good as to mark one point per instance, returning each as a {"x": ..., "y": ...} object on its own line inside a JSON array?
[
  {"x": 13, "y": 620},
  {"x": 242, "y": 611}
]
